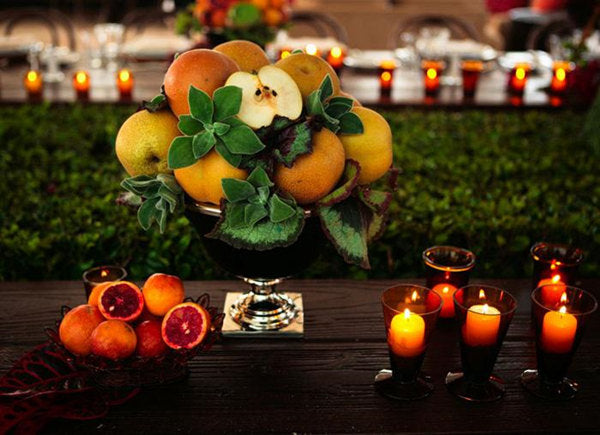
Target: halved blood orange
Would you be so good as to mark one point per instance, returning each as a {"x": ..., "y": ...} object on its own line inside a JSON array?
[
  {"x": 185, "y": 326},
  {"x": 122, "y": 300},
  {"x": 93, "y": 299}
]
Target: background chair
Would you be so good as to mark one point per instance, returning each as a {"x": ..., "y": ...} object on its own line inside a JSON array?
[
  {"x": 58, "y": 25},
  {"x": 459, "y": 29},
  {"x": 322, "y": 24}
]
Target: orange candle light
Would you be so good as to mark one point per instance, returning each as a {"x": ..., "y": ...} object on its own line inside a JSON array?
[
  {"x": 335, "y": 58},
  {"x": 446, "y": 291},
  {"x": 432, "y": 70},
  {"x": 406, "y": 336},
  {"x": 125, "y": 82},
  {"x": 81, "y": 83},
  {"x": 482, "y": 324},
  {"x": 518, "y": 78},
  {"x": 561, "y": 70},
  {"x": 552, "y": 289},
  {"x": 386, "y": 74},
  {"x": 312, "y": 50},
  {"x": 33, "y": 82},
  {"x": 285, "y": 52},
  {"x": 471, "y": 69},
  {"x": 558, "y": 331}
]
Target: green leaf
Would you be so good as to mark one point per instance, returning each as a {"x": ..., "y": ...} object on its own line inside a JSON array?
[
  {"x": 228, "y": 101},
  {"x": 350, "y": 123},
  {"x": 232, "y": 159},
  {"x": 237, "y": 190},
  {"x": 297, "y": 51},
  {"x": 376, "y": 200},
  {"x": 138, "y": 185},
  {"x": 344, "y": 226},
  {"x": 201, "y": 106},
  {"x": 253, "y": 213},
  {"x": 263, "y": 194},
  {"x": 155, "y": 104},
  {"x": 188, "y": 125},
  {"x": 203, "y": 143},
  {"x": 242, "y": 140},
  {"x": 262, "y": 236},
  {"x": 259, "y": 178},
  {"x": 348, "y": 102},
  {"x": 351, "y": 173},
  {"x": 326, "y": 88},
  {"x": 279, "y": 210},
  {"x": 293, "y": 142},
  {"x": 336, "y": 110},
  {"x": 221, "y": 128},
  {"x": 314, "y": 103},
  {"x": 168, "y": 180},
  {"x": 181, "y": 153},
  {"x": 147, "y": 213}
]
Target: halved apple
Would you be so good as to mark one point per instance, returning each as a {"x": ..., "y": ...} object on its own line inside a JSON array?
[{"x": 269, "y": 93}]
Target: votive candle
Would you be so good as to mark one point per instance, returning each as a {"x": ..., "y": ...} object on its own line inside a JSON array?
[
  {"x": 446, "y": 291},
  {"x": 81, "y": 83},
  {"x": 482, "y": 325},
  {"x": 558, "y": 331},
  {"x": 125, "y": 82},
  {"x": 406, "y": 336},
  {"x": 34, "y": 83},
  {"x": 560, "y": 73},
  {"x": 518, "y": 78}
]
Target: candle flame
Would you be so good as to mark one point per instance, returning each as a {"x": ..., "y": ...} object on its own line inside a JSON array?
[
  {"x": 406, "y": 313},
  {"x": 562, "y": 310},
  {"x": 32, "y": 76},
  {"x": 414, "y": 296},
  {"x": 431, "y": 73},
  {"x": 124, "y": 75},
  {"x": 520, "y": 73},
  {"x": 482, "y": 294},
  {"x": 445, "y": 289},
  {"x": 563, "y": 298},
  {"x": 285, "y": 53},
  {"x": 336, "y": 52},
  {"x": 81, "y": 77},
  {"x": 311, "y": 49},
  {"x": 561, "y": 74},
  {"x": 103, "y": 273},
  {"x": 386, "y": 76},
  {"x": 556, "y": 279},
  {"x": 485, "y": 308}
]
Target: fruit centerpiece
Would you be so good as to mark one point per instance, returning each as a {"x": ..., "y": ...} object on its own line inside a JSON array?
[
  {"x": 267, "y": 161},
  {"x": 227, "y": 20}
]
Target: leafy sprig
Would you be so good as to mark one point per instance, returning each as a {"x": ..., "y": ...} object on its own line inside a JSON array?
[
  {"x": 161, "y": 196},
  {"x": 333, "y": 112},
  {"x": 212, "y": 124}
]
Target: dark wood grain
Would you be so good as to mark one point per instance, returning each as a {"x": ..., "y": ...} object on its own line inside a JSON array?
[{"x": 322, "y": 383}]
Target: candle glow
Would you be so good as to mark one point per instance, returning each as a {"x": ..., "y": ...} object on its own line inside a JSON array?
[
  {"x": 482, "y": 324},
  {"x": 406, "y": 336},
  {"x": 552, "y": 289},
  {"x": 558, "y": 331},
  {"x": 312, "y": 50},
  {"x": 335, "y": 58},
  {"x": 81, "y": 82},
  {"x": 431, "y": 71},
  {"x": 386, "y": 76},
  {"x": 125, "y": 82},
  {"x": 285, "y": 53},
  {"x": 446, "y": 291},
  {"x": 561, "y": 70},
  {"x": 33, "y": 82},
  {"x": 518, "y": 78}
]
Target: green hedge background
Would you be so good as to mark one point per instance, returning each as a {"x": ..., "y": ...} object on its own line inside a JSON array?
[{"x": 493, "y": 182}]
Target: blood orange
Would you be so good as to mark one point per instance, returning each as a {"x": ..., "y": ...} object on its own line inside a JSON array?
[
  {"x": 122, "y": 300},
  {"x": 185, "y": 326},
  {"x": 149, "y": 339}
]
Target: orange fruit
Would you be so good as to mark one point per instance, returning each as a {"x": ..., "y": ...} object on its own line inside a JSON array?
[
  {"x": 162, "y": 292},
  {"x": 185, "y": 326},
  {"x": 202, "y": 180},
  {"x": 260, "y": 4},
  {"x": 277, "y": 4},
  {"x": 75, "y": 330},
  {"x": 218, "y": 18},
  {"x": 93, "y": 298},
  {"x": 113, "y": 339},
  {"x": 247, "y": 55},
  {"x": 149, "y": 339},
  {"x": 273, "y": 17},
  {"x": 314, "y": 175},
  {"x": 205, "y": 69},
  {"x": 122, "y": 300}
]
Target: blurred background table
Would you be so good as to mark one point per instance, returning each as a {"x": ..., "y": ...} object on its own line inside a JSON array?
[{"x": 324, "y": 382}]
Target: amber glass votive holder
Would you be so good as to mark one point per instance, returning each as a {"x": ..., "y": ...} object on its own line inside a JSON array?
[
  {"x": 98, "y": 275},
  {"x": 447, "y": 269},
  {"x": 517, "y": 78},
  {"x": 410, "y": 313},
  {"x": 561, "y": 70},
  {"x": 484, "y": 314},
  {"x": 554, "y": 267},
  {"x": 432, "y": 70},
  {"x": 558, "y": 331},
  {"x": 471, "y": 70}
]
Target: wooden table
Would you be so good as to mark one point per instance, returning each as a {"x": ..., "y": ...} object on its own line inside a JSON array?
[{"x": 324, "y": 382}]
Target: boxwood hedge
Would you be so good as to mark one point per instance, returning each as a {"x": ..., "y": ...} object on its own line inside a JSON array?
[{"x": 494, "y": 182}]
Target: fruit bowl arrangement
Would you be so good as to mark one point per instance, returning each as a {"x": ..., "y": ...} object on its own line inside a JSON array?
[
  {"x": 227, "y": 20},
  {"x": 267, "y": 161},
  {"x": 127, "y": 337}
]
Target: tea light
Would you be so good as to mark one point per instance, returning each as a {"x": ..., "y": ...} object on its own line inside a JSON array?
[
  {"x": 552, "y": 289},
  {"x": 446, "y": 291},
  {"x": 335, "y": 58},
  {"x": 554, "y": 265},
  {"x": 312, "y": 50},
  {"x": 518, "y": 78},
  {"x": 471, "y": 69},
  {"x": 558, "y": 331},
  {"x": 101, "y": 274},
  {"x": 482, "y": 324},
  {"x": 386, "y": 75},
  {"x": 285, "y": 52},
  {"x": 81, "y": 83},
  {"x": 560, "y": 72},
  {"x": 125, "y": 83},
  {"x": 431, "y": 71},
  {"x": 406, "y": 336},
  {"x": 33, "y": 82}
]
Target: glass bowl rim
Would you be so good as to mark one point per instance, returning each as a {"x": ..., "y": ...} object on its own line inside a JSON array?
[
  {"x": 106, "y": 266},
  {"x": 491, "y": 287},
  {"x": 538, "y": 245},
  {"x": 468, "y": 266},
  {"x": 585, "y": 313},
  {"x": 415, "y": 286}
]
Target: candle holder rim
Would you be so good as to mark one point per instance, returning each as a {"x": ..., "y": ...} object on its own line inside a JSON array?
[
  {"x": 96, "y": 268},
  {"x": 569, "y": 64},
  {"x": 487, "y": 287},
  {"x": 567, "y": 287},
  {"x": 468, "y": 266},
  {"x": 578, "y": 259},
  {"x": 429, "y": 63},
  {"x": 214, "y": 210},
  {"x": 428, "y": 292}
]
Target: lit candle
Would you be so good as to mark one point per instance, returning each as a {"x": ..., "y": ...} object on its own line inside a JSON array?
[
  {"x": 386, "y": 75},
  {"x": 518, "y": 78},
  {"x": 33, "y": 83},
  {"x": 446, "y": 291},
  {"x": 558, "y": 331},
  {"x": 482, "y": 324},
  {"x": 125, "y": 82},
  {"x": 471, "y": 69},
  {"x": 81, "y": 83},
  {"x": 101, "y": 274},
  {"x": 285, "y": 52},
  {"x": 552, "y": 289},
  {"x": 406, "y": 336},
  {"x": 335, "y": 58},
  {"x": 312, "y": 50},
  {"x": 560, "y": 69},
  {"x": 431, "y": 70}
]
